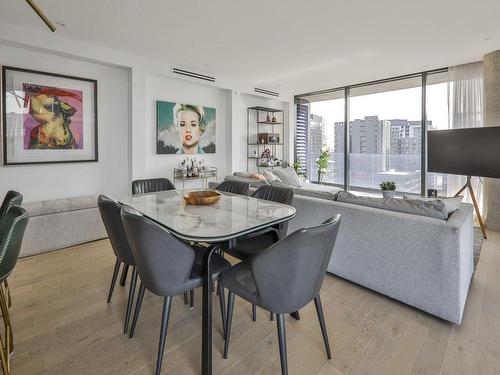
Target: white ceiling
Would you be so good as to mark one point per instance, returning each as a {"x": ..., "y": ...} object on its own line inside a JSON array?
[{"x": 288, "y": 45}]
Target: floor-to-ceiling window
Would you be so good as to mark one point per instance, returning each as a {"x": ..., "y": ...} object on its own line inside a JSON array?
[
  {"x": 385, "y": 137},
  {"x": 322, "y": 129}
]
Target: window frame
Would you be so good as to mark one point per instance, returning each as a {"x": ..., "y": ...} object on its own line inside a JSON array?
[{"x": 300, "y": 99}]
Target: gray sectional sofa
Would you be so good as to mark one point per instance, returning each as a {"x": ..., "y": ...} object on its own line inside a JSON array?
[{"x": 422, "y": 261}]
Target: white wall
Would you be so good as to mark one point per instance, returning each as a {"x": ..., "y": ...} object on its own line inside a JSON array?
[
  {"x": 128, "y": 87},
  {"x": 112, "y": 172},
  {"x": 175, "y": 90}
]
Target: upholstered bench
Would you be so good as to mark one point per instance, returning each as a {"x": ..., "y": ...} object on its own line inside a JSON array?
[{"x": 59, "y": 223}]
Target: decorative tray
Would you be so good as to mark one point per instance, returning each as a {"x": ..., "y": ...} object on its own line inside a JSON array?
[{"x": 202, "y": 197}]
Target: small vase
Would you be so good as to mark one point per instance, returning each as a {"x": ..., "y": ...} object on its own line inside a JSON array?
[{"x": 388, "y": 194}]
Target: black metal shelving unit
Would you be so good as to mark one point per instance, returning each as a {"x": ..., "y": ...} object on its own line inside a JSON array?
[{"x": 254, "y": 148}]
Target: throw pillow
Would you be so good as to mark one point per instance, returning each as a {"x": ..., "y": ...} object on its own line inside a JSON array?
[
  {"x": 288, "y": 176},
  {"x": 270, "y": 177},
  {"x": 259, "y": 176},
  {"x": 450, "y": 203},
  {"x": 435, "y": 209}
]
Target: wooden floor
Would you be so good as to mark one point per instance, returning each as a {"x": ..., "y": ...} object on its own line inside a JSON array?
[{"x": 62, "y": 325}]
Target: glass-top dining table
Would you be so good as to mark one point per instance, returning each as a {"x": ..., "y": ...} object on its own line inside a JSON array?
[{"x": 231, "y": 217}]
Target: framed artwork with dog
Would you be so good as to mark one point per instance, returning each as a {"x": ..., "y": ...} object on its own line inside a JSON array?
[{"x": 48, "y": 117}]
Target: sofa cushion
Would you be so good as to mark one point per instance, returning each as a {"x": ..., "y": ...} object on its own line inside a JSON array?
[
  {"x": 270, "y": 176},
  {"x": 54, "y": 206},
  {"x": 450, "y": 203},
  {"x": 435, "y": 209},
  {"x": 252, "y": 181},
  {"x": 287, "y": 176}
]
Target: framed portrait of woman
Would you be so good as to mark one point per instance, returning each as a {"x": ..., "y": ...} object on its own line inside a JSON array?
[
  {"x": 184, "y": 128},
  {"x": 48, "y": 117}
]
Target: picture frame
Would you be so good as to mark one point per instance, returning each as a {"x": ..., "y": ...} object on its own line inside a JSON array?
[
  {"x": 188, "y": 129},
  {"x": 48, "y": 118}
]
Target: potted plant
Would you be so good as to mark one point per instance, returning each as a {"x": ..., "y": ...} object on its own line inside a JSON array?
[
  {"x": 322, "y": 163},
  {"x": 388, "y": 189}
]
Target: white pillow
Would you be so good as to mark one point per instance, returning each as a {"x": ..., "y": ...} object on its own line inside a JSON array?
[
  {"x": 270, "y": 177},
  {"x": 287, "y": 176},
  {"x": 451, "y": 204}
]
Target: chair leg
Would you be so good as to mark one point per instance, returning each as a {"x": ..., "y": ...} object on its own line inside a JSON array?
[
  {"x": 4, "y": 358},
  {"x": 222, "y": 302},
  {"x": 167, "y": 303},
  {"x": 133, "y": 283},
  {"x": 185, "y": 298},
  {"x": 113, "y": 280},
  {"x": 138, "y": 304},
  {"x": 280, "y": 319},
  {"x": 9, "y": 337},
  {"x": 271, "y": 316},
  {"x": 124, "y": 275},
  {"x": 7, "y": 291},
  {"x": 191, "y": 299},
  {"x": 295, "y": 315},
  {"x": 229, "y": 319},
  {"x": 254, "y": 312},
  {"x": 321, "y": 318}
]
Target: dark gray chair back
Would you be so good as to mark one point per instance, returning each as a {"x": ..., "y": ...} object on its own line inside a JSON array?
[
  {"x": 164, "y": 263},
  {"x": 235, "y": 187},
  {"x": 12, "y": 230},
  {"x": 289, "y": 274},
  {"x": 12, "y": 198},
  {"x": 151, "y": 185},
  {"x": 110, "y": 214},
  {"x": 279, "y": 195}
]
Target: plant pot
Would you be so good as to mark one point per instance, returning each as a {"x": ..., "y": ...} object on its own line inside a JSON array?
[{"x": 388, "y": 194}]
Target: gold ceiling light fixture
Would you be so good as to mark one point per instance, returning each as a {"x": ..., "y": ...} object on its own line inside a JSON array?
[{"x": 44, "y": 18}]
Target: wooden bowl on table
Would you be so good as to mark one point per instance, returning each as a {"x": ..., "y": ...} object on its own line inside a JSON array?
[{"x": 203, "y": 197}]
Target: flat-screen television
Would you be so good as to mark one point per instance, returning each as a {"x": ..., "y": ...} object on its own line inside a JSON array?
[{"x": 468, "y": 152}]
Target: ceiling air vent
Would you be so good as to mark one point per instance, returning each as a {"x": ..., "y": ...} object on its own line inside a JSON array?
[
  {"x": 266, "y": 92},
  {"x": 187, "y": 73}
]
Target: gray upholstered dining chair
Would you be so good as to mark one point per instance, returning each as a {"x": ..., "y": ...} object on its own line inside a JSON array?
[
  {"x": 151, "y": 185},
  {"x": 110, "y": 214},
  {"x": 12, "y": 198},
  {"x": 235, "y": 187},
  {"x": 167, "y": 267},
  {"x": 250, "y": 245},
  {"x": 284, "y": 278}
]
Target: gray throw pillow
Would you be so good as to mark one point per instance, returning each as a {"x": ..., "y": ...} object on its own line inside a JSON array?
[
  {"x": 287, "y": 176},
  {"x": 270, "y": 177},
  {"x": 435, "y": 209},
  {"x": 450, "y": 203}
]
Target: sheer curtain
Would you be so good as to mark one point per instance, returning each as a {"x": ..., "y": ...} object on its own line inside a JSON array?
[{"x": 465, "y": 105}]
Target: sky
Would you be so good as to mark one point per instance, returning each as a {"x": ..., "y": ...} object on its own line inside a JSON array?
[{"x": 396, "y": 104}]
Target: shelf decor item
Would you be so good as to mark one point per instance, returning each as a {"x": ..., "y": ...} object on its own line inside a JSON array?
[
  {"x": 185, "y": 128},
  {"x": 48, "y": 117},
  {"x": 268, "y": 138},
  {"x": 388, "y": 189}
]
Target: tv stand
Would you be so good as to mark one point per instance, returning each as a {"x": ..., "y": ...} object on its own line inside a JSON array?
[{"x": 468, "y": 185}]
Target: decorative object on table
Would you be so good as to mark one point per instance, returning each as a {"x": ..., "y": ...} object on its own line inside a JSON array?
[
  {"x": 432, "y": 193},
  {"x": 274, "y": 118},
  {"x": 48, "y": 117},
  {"x": 388, "y": 189},
  {"x": 268, "y": 118},
  {"x": 322, "y": 163},
  {"x": 268, "y": 138},
  {"x": 185, "y": 128},
  {"x": 204, "y": 197}
]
